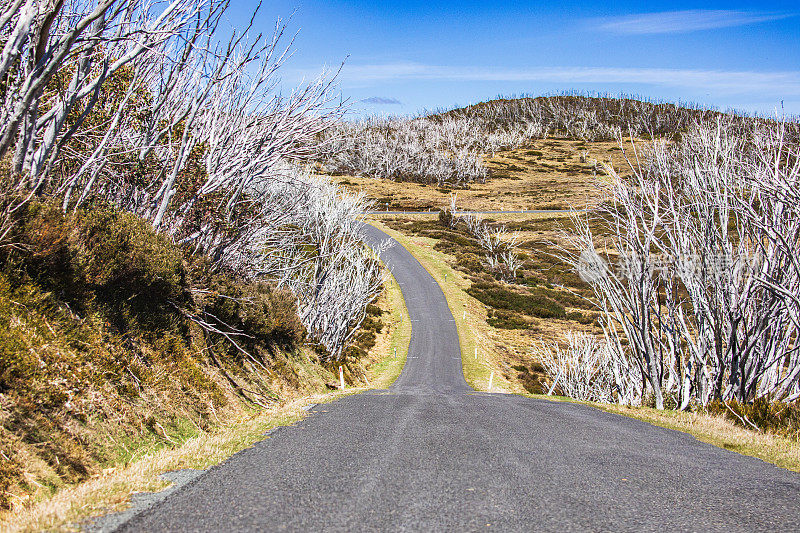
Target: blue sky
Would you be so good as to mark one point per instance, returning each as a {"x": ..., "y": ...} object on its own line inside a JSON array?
[{"x": 402, "y": 57}]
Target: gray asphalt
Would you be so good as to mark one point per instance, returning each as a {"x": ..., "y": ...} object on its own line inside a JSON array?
[{"x": 431, "y": 454}]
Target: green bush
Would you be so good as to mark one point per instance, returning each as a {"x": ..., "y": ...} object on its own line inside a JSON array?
[
  {"x": 267, "y": 316},
  {"x": 121, "y": 252},
  {"x": 533, "y": 377},
  {"x": 17, "y": 362},
  {"x": 526, "y": 303},
  {"x": 469, "y": 262},
  {"x": 42, "y": 251},
  {"x": 445, "y": 217},
  {"x": 577, "y": 316},
  {"x": 506, "y": 320}
]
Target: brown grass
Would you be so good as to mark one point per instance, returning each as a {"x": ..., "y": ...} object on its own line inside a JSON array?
[{"x": 562, "y": 176}]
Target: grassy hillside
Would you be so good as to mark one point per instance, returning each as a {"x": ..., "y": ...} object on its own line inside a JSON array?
[
  {"x": 546, "y": 174},
  {"x": 103, "y": 358}
]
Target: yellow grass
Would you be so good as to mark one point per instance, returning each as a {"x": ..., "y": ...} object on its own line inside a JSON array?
[{"x": 563, "y": 175}]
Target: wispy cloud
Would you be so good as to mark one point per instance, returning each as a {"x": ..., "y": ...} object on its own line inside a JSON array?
[
  {"x": 682, "y": 21},
  {"x": 781, "y": 83},
  {"x": 381, "y": 100}
]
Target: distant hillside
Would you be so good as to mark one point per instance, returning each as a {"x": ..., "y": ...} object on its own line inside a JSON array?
[
  {"x": 587, "y": 117},
  {"x": 448, "y": 148}
]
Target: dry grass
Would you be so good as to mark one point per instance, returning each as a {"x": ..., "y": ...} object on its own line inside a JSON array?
[
  {"x": 110, "y": 490},
  {"x": 548, "y": 174}
]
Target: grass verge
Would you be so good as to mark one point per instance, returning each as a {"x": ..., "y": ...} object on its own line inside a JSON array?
[
  {"x": 780, "y": 451},
  {"x": 394, "y": 346},
  {"x": 711, "y": 429}
]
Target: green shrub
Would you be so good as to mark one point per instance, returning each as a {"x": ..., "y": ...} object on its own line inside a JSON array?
[
  {"x": 121, "y": 252},
  {"x": 267, "y": 316},
  {"x": 506, "y": 320},
  {"x": 770, "y": 416},
  {"x": 529, "y": 304},
  {"x": 445, "y": 217},
  {"x": 577, "y": 316},
  {"x": 534, "y": 378},
  {"x": 42, "y": 251},
  {"x": 469, "y": 262},
  {"x": 18, "y": 363}
]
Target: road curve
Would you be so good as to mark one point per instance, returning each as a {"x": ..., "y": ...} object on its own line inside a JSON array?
[{"x": 431, "y": 454}]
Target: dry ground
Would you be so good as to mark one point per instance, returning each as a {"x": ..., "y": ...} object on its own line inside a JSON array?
[{"x": 547, "y": 174}]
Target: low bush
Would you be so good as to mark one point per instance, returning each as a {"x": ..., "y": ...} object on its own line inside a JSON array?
[
  {"x": 533, "y": 377},
  {"x": 529, "y": 304},
  {"x": 501, "y": 319}
]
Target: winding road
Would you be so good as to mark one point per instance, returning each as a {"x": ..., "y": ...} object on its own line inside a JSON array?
[{"x": 431, "y": 454}]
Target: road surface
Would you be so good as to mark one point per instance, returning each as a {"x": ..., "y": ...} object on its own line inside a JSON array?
[{"x": 431, "y": 454}]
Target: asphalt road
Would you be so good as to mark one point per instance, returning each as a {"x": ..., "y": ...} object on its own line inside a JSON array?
[{"x": 431, "y": 454}]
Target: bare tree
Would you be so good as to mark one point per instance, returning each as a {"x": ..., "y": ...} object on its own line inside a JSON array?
[
  {"x": 91, "y": 40},
  {"x": 309, "y": 241},
  {"x": 704, "y": 234},
  {"x": 586, "y": 370}
]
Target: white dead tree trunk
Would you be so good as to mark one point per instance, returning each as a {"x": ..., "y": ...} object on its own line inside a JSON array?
[
  {"x": 587, "y": 370},
  {"x": 93, "y": 41},
  {"x": 707, "y": 233}
]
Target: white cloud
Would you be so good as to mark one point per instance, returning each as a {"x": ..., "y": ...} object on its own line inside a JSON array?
[
  {"x": 381, "y": 100},
  {"x": 784, "y": 84},
  {"x": 682, "y": 21}
]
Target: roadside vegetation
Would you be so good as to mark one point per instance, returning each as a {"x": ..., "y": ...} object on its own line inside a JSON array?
[{"x": 170, "y": 271}]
